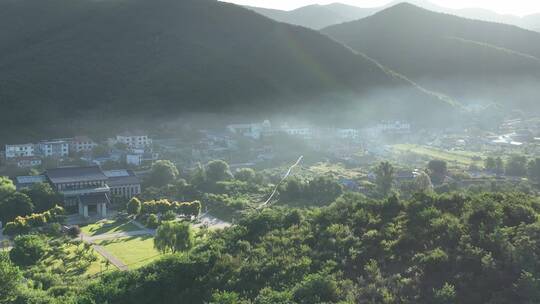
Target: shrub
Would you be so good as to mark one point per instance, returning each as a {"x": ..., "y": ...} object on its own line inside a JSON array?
[
  {"x": 152, "y": 221},
  {"x": 74, "y": 231}
]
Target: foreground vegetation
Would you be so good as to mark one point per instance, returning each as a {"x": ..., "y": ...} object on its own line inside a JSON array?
[{"x": 451, "y": 248}]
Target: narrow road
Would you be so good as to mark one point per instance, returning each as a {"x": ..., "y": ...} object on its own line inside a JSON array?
[{"x": 116, "y": 262}]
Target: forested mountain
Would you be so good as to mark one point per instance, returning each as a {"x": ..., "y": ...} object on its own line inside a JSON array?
[
  {"x": 66, "y": 59},
  {"x": 474, "y": 61}
]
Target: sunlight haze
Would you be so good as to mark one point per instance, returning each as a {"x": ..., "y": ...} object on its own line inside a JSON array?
[{"x": 518, "y": 7}]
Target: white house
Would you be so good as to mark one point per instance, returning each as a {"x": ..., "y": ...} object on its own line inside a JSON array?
[
  {"x": 81, "y": 144},
  {"x": 253, "y": 130},
  {"x": 23, "y": 150},
  {"x": 54, "y": 148},
  {"x": 134, "y": 141},
  {"x": 302, "y": 132},
  {"x": 27, "y": 161},
  {"x": 347, "y": 133}
]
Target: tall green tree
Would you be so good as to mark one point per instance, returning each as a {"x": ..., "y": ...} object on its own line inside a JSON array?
[
  {"x": 218, "y": 170},
  {"x": 163, "y": 172},
  {"x": 43, "y": 196},
  {"x": 174, "y": 237},
  {"x": 134, "y": 206},
  {"x": 28, "y": 249},
  {"x": 10, "y": 279},
  {"x": 516, "y": 165},
  {"x": 15, "y": 204},
  {"x": 6, "y": 187},
  {"x": 438, "y": 170},
  {"x": 384, "y": 177}
]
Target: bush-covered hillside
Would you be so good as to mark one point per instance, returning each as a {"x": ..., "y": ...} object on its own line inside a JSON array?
[{"x": 431, "y": 249}]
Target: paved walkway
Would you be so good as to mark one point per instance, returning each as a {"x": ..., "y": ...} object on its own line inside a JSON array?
[
  {"x": 118, "y": 235},
  {"x": 116, "y": 262}
]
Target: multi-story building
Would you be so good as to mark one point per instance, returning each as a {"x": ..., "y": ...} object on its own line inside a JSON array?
[
  {"x": 82, "y": 144},
  {"x": 123, "y": 183},
  {"x": 23, "y": 150},
  {"x": 253, "y": 130},
  {"x": 54, "y": 148},
  {"x": 83, "y": 188},
  {"x": 134, "y": 141}
]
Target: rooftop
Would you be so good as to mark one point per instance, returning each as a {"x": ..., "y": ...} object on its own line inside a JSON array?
[
  {"x": 34, "y": 179},
  {"x": 75, "y": 174},
  {"x": 121, "y": 177}
]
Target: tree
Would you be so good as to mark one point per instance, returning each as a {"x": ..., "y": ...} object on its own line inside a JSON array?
[
  {"x": 10, "y": 278},
  {"x": 246, "y": 175},
  {"x": 499, "y": 166},
  {"x": 134, "y": 206},
  {"x": 6, "y": 187},
  {"x": 516, "y": 165},
  {"x": 534, "y": 169},
  {"x": 28, "y": 249},
  {"x": 438, "y": 170},
  {"x": 384, "y": 177},
  {"x": 15, "y": 204},
  {"x": 217, "y": 170},
  {"x": 152, "y": 221},
  {"x": 174, "y": 237},
  {"x": 43, "y": 196},
  {"x": 324, "y": 190},
  {"x": 163, "y": 172},
  {"x": 74, "y": 231},
  {"x": 422, "y": 182},
  {"x": 490, "y": 164}
]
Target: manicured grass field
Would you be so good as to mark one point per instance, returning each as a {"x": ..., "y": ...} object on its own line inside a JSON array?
[
  {"x": 135, "y": 252},
  {"x": 458, "y": 158},
  {"x": 108, "y": 227}
]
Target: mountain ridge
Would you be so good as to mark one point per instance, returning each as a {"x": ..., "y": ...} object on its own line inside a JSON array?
[{"x": 457, "y": 56}]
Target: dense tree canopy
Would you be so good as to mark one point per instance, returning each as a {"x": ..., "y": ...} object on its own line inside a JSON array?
[{"x": 432, "y": 248}]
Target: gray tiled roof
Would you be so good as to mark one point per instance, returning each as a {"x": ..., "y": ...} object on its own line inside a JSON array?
[
  {"x": 121, "y": 177},
  {"x": 94, "y": 198},
  {"x": 75, "y": 174}
]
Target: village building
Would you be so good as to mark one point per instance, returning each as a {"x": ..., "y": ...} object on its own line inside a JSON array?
[
  {"x": 123, "y": 183},
  {"x": 134, "y": 140},
  {"x": 27, "y": 161},
  {"x": 81, "y": 144},
  {"x": 252, "y": 130},
  {"x": 22, "y": 150},
  {"x": 27, "y": 181},
  {"x": 54, "y": 148},
  {"x": 84, "y": 189}
]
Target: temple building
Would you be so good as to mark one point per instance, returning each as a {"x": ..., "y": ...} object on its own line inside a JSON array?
[{"x": 83, "y": 188}]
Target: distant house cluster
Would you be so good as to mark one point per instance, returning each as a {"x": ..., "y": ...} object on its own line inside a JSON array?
[
  {"x": 259, "y": 130},
  {"x": 32, "y": 154},
  {"x": 87, "y": 190},
  {"x": 138, "y": 149}
]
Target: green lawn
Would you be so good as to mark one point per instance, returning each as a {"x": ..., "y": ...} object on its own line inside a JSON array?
[
  {"x": 108, "y": 227},
  {"x": 458, "y": 158},
  {"x": 135, "y": 252}
]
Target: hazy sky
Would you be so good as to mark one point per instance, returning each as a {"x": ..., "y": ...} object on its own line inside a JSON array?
[{"x": 516, "y": 7}]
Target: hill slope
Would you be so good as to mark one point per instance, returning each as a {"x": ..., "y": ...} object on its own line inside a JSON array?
[
  {"x": 317, "y": 16},
  {"x": 62, "y": 59},
  {"x": 472, "y": 60},
  {"x": 320, "y": 16}
]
